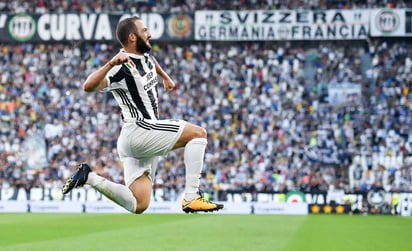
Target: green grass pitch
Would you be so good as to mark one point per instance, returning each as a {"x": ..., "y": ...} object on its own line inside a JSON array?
[{"x": 197, "y": 232}]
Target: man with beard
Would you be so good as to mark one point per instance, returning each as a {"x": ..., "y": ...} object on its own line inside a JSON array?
[{"x": 131, "y": 76}]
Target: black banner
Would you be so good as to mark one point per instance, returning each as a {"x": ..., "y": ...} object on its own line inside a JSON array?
[
  {"x": 408, "y": 22},
  {"x": 65, "y": 27}
]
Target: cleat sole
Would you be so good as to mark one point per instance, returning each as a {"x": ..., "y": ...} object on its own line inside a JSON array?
[
  {"x": 190, "y": 210},
  {"x": 78, "y": 178}
]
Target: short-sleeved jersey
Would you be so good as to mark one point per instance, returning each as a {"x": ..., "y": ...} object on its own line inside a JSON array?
[{"x": 133, "y": 85}]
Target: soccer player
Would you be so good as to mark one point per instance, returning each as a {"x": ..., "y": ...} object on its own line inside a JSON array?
[{"x": 131, "y": 75}]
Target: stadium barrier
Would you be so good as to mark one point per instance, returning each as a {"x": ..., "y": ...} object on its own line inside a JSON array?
[
  {"x": 155, "y": 207},
  {"x": 332, "y": 202}
]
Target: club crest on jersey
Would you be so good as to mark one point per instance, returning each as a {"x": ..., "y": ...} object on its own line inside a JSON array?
[{"x": 132, "y": 67}]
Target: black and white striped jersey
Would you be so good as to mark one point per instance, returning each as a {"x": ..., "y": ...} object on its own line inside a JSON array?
[{"x": 133, "y": 85}]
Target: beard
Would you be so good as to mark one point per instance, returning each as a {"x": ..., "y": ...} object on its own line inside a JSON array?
[{"x": 142, "y": 46}]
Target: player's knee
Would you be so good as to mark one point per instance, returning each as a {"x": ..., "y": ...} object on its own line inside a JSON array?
[
  {"x": 141, "y": 208},
  {"x": 201, "y": 133}
]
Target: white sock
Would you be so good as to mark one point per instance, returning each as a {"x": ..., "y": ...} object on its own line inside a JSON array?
[
  {"x": 193, "y": 157},
  {"x": 118, "y": 193}
]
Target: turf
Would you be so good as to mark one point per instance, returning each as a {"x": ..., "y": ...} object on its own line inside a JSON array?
[{"x": 197, "y": 232}]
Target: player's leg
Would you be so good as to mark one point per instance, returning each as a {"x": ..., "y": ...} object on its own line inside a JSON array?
[
  {"x": 138, "y": 177},
  {"x": 135, "y": 195},
  {"x": 142, "y": 191},
  {"x": 118, "y": 193},
  {"x": 194, "y": 140},
  {"x": 158, "y": 138}
]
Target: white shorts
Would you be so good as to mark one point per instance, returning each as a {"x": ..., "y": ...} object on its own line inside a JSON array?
[{"x": 141, "y": 143}]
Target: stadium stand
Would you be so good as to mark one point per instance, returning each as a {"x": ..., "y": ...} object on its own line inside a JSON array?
[{"x": 268, "y": 129}]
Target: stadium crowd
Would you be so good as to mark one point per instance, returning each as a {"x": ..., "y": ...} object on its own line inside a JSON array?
[
  {"x": 164, "y": 6},
  {"x": 267, "y": 122}
]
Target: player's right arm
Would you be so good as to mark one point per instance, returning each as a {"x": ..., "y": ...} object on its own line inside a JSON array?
[{"x": 97, "y": 80}]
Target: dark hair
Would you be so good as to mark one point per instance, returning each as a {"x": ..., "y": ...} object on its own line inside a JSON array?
[{"x": 124, "y": 28}]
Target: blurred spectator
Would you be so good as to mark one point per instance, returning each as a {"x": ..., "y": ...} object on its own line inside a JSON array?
[{"x": 162, "y": 6}]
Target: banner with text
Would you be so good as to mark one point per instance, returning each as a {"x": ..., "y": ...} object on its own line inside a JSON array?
[
  {"x": 63, "y": 27},
  {"x": 391, "y": 23},
  {"x": 256, "y": 25},
  {"x": 282, "y": 25}
]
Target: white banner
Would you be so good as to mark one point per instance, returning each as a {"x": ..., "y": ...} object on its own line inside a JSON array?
[
  {"x": 281, "y": 25},
  {"x": 103, "y": 207},
  {"x": 345, "y": 94},
  {"x": 13, "y": 207},
  {"x": 265, "y": 208},
  {"x": 388, "y": 22},
  {"x": 405, "y": 204},
  {"x": 166, "y": 207},
  {"x": 281, "y": 208},
  {"x": 173, "y": 207},
  {"x": 35, "y": 152},
  {"x": 154, "y": 208},
  {"x": 55, "y": 207}
]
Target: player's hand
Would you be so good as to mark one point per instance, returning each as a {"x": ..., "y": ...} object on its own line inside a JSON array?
[
  {"x": 169, "y": 85},
  {"x": 119, "y": 59}
]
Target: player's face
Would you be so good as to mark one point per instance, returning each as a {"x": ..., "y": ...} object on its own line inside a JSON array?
[{"x": 142, "y": 38}]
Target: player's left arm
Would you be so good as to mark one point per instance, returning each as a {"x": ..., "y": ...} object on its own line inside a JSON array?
[{"x": 168, "y": 83}]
